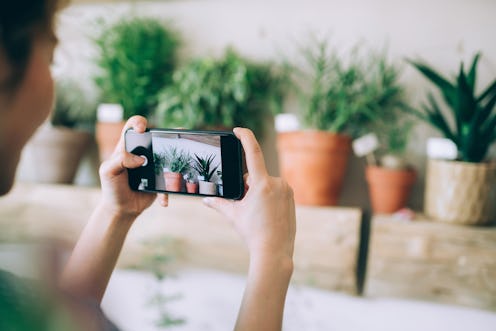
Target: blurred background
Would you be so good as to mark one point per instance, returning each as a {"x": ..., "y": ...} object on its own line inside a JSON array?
[{"x": 346, "y": 67}]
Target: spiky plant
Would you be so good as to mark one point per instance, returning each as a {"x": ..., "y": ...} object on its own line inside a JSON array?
[
  {"x": 203, "y": 165},
  {"x": 471, "y": 122},
  {"x": 176, "y": 160}
]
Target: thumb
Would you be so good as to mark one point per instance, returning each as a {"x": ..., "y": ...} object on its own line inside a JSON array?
[{"x": 223, "y": 206}]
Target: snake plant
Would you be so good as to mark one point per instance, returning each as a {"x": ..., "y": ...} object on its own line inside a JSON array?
[{"x": 471, "y": 121}]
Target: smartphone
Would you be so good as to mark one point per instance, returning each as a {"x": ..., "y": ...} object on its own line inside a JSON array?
[{"x": 201, "y": 163}]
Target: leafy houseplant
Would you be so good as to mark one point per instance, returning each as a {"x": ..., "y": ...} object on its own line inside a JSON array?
[
  {"x": 221, "y": 93},
  {"x": 191, "y": 181},
  {"x": 72, "y": 109},
  {"x": 461, "y": 191},
  {"x": 176, "y": 163},
  {"x": 205, "y": 168},
  {"x": 136, "y": 58},
  {"x": 342, "y": 98},
  {"x": 58, "y": 147},
  {"x": 391, "y": 180}
]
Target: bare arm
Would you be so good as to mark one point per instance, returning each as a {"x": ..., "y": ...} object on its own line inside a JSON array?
[
  {"x": 90, "y": 266},
  {"x": 94, "y": 257},
  {"x": 265, "y": 218}
]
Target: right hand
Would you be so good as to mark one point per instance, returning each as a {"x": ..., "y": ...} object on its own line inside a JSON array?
[{"x": 265, "y": 217}]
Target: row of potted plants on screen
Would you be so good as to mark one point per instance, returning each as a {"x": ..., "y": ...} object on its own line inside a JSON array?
[
  {"x": 183, "y": 172},
  {"x": 343, "y": 97}
]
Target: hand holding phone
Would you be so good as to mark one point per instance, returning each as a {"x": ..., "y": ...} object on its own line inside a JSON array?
[
  {"x": 116, "y": 194},
  {"x": 204, "y": 163}
]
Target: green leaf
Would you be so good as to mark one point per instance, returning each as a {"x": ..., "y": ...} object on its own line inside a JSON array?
[
  {"x": 442, "y": 83},
  {"x": 466, "y": 105},
  {"x": 437, "y": 119},
  {"x": 472, "y": 74},
  {"x": 490, "y": 90},
  {"x": 448, "y": 90}
]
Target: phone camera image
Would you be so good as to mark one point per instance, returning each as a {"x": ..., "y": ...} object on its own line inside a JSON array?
[{"x": 187, "y": 163}]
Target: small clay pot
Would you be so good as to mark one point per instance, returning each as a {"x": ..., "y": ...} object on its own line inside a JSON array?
[
  {"x": 173, "y": 181},
  {"x": 192, "y": 187},
  {"x": 389, "y": 189}
]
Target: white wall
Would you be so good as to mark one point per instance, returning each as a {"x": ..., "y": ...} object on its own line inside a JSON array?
[{"x": 439, "y": 31}]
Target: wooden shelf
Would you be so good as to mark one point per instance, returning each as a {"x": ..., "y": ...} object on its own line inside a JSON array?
[
  {"x": 432, "y": 261},
  {"x": 326, "y": 248}
]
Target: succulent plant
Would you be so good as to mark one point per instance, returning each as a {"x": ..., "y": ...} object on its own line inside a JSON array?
[
  {"x": 204, "y": 167},
  {"x": 471, "y": 122}
]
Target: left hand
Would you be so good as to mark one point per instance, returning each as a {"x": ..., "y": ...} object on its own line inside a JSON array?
[{"x": 116, "y": 194}]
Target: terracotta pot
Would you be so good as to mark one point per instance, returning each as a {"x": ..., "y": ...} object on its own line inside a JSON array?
[
  {"x": 389, "y": 189},
  {"x": 107, "y": 137},
  {"x": 208, "y": 188},
  {"x": 461, "y": 192},
  {"x": 173, "y": 181},
  {"x": 314, "y": 164},
  {"x": 192, "y": 187},
  {"x": 54, "y": 153}
]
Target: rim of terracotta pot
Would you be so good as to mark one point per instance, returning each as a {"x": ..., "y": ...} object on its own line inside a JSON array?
[
  {"x": 313, "y": 139},
  {"x": 408, "y": 174}
]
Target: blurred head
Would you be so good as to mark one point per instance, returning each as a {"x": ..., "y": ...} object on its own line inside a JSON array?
[{"x": 27, "y": 42}]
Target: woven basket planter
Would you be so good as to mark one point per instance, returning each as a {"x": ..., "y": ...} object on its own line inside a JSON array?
[{"x": 461, "y": 192}]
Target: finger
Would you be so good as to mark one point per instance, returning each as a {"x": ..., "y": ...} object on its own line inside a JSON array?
[
  {"x": 137, "y": 123},
  {"x": 246, "y": 178},
  {"x": 223, "y": 206},
  {"x": 119, "y": 162},
  {"x": 163, "y": 199},
  {"x": 253, "y": 153}
]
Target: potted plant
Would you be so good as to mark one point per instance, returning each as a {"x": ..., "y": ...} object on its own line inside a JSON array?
[
  {"x": 221, "y": 94},
  {"x": 341, "y": 97},
  {"x": 59, "y": 145},
  {"x": 461, "y": 191},
  {"x": 204, "y": 167},
  {"x": 192, "y": 182},
  {"x": 391, "y": 180},
  {"x": 136, "y": 58},
  {"x": 176, "y": 163}
]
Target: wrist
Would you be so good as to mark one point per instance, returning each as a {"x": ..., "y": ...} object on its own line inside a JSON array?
[
  {"x": 273, "y": 263},
  {"x": 113, "y": 213}
]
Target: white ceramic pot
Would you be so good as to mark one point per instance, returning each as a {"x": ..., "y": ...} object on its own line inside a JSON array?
[{"x": 208, "y": 188}]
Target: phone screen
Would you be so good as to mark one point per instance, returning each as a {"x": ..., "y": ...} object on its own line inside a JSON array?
[{"x": 205, "y": 163}]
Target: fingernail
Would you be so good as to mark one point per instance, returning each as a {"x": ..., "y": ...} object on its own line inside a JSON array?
[
  {"x": 208, "y": 201},
  {"x": 137, "y": 158}
]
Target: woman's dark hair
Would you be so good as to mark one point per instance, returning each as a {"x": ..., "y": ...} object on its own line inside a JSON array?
[{"x": 21, "y": 22}]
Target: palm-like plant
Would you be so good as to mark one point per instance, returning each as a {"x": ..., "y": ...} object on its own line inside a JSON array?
[
  {"x": 474, "y": 119},
  {"x": 203, "y": 165},
  {"x": 176, "y": 160}
]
